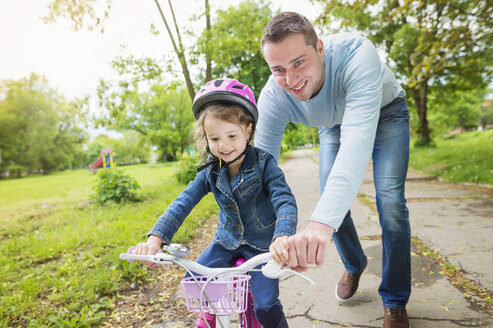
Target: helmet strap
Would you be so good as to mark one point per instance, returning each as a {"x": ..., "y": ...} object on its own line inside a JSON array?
[
  {"x": 218, "y": 160},
  {"x": 226, "y": 164}
]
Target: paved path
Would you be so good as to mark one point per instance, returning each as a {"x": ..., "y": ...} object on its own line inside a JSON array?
[{"x": 452, "y": 222}]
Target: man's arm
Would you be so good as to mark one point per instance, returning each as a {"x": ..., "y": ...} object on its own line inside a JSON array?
[{"x": 362, "y": 82}]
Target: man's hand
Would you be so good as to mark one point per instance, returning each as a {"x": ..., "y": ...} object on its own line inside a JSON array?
[{"x": 309, "y": 245}]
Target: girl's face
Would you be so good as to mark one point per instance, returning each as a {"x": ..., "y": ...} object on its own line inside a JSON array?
[{"x": 226, "y": 140}]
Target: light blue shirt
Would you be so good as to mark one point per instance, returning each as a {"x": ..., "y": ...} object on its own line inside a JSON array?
[{"x": 357, "y": 85}]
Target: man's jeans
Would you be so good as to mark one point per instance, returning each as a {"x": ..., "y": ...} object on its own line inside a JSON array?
[{"x": 390, "y": 161}]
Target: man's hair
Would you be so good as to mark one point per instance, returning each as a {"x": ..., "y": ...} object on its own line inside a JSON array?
[
  {"x": 286, "y": 24},
  {"x": 224, "y": 111}
]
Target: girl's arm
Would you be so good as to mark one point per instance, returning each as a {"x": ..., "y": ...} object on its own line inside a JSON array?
[
  {"x": 285, "y": 208},
  {"x": 169, "y": 222},
  {"x": 174, "y": 216},
  {"x": 281, "y": 198}
]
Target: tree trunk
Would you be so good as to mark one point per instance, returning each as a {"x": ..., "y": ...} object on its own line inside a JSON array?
[
  {"x": 208, "y": 68},
  {"x": 420, "y": 96},
  {"x": 179, "y": 52}
]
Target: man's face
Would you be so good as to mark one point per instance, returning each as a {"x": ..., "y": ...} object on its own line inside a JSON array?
[{"x": 297, "y": 67}]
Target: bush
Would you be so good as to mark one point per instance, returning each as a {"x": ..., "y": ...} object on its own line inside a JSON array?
[
  {"x": 114, "y": 185},
  {"x": 187, "y": 168},
  {"x": 15, "y": 171}
]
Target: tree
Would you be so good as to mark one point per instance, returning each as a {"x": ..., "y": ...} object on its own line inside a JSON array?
[
  {"x": 170, "y": 118},
  {"x": 131, "y": 149},
  {"x": 298, "y": 135},
  {"x": 179, "y": 50},
  {"x": 134, "y": 149},
  {"x": 127, "y": 103},
  {"x": 233, "y": 43},
  {"x": 428, "y": 42},
  {"x": 83, "y": 12},
  {"x": 458, "y": 109},
  {"x": 142, "y": 102},
  {"x": 39, "y": 130},
  {"x": 486, "y": 113}
]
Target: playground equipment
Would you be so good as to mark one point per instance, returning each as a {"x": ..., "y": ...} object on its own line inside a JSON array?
[{"x": 106, "y": 160}]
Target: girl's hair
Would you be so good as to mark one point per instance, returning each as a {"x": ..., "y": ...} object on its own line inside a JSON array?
[
  {"x": 224, "y": 111},
  {"x": 286, "y": 24}
]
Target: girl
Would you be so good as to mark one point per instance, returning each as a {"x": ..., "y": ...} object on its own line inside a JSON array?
[{"x": 257, "y": 210}]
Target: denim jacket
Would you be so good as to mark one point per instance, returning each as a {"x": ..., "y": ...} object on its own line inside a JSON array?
[{"x": 254, "y": 208}]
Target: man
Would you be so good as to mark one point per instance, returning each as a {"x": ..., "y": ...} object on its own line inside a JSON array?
[{"x": 339, "y": 84}]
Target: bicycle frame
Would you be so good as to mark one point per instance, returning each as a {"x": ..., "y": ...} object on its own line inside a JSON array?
[
  {"x": 248, "y": 320},
  {"x": 177, "y": 253},
  {"x": 247, "y": 317}
]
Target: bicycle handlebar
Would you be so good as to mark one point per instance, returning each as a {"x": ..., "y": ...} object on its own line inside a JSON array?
[{"x": 271, "y": 269}]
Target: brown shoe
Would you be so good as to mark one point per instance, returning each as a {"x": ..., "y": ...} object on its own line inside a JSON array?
[
  {"x": 348, "y": 285},
  {"x": 393, "y": 318}
]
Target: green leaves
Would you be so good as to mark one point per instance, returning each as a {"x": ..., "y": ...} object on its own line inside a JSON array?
[
  {"x": 187, "y": 168},
  {"x": 114, "y": 185},
  {"x": 80, "y": 13},
  {"x": 429, "y": 43},
  {"x": 40, "y": 131},
  {"x": 161, "y": 114},
  {"x": 233, "y": 44}
]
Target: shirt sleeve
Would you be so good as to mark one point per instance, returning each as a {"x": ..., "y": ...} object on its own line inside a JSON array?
[
  {"x": 271, "y": 123},
  {"x": 362, "y": 83}
]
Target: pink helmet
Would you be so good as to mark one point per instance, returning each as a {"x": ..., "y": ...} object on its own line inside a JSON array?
[{"x": 227, "y": 90}]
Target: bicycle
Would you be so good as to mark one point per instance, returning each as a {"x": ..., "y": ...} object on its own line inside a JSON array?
[{"x": 226, "y": 290}]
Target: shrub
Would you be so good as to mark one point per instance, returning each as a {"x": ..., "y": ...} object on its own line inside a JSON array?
[
  {"x": 114, "y": 185},
  {"x": 15, "y": 171},
  {"x": 187, "y": 168}
]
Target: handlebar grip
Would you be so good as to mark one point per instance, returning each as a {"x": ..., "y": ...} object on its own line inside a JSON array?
[
  {"x": 131, "y": 251},
  {"x": 274, "y": 271}
]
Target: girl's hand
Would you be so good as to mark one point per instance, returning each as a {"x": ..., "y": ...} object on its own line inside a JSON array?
[
  {"x": 279, "y": 250},
  {"x": 151, "y": 247}
]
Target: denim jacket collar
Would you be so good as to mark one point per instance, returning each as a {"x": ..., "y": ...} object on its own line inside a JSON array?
[{"x": 223, "y": 184}]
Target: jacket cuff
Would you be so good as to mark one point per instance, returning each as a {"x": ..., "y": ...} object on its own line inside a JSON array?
[
  {"x": 285, "y": 226},
  {"x": 165, "y": 228}
]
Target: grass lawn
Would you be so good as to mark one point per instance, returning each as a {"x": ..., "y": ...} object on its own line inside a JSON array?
[
  {"x": 465, "y": 157},
  {"x": 59, "y": 250}
]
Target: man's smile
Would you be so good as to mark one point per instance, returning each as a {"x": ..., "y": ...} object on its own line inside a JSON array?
[{"x": 297, "y": 89}]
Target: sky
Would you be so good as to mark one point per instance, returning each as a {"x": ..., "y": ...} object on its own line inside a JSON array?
[{"x": 73, "y": 61}]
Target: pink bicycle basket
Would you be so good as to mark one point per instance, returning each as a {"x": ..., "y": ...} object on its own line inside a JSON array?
[{"x": 226, "y": 295}]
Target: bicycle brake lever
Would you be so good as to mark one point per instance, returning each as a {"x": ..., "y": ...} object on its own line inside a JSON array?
[
  {"x": 179, "y": 250},
  {"x": 273, "y": 270},
  {"x": 296, "y": 273}
]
